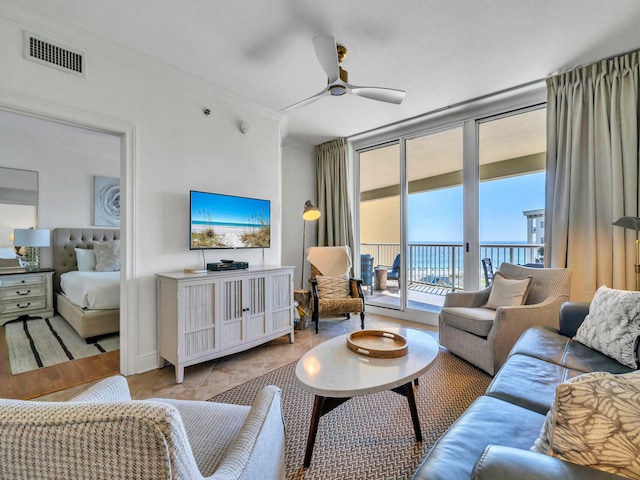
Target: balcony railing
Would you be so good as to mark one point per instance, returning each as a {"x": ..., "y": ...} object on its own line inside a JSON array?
[{"x": 442, "y": 264}]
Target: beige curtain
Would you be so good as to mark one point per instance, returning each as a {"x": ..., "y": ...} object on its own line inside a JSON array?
[
  {"x": 335, "y": 227},
  {"x": 592, "y": 173}
]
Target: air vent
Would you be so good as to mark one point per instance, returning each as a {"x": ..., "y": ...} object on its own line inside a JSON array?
[{"x": 45, "y": 52}]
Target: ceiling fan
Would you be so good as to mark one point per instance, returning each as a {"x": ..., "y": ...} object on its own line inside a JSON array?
[{"x": 330, "y": 55}]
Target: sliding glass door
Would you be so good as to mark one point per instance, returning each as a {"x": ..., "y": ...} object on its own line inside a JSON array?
[
  {"x": 512, "y": 158},
  {"x": 380, "y": 228},
  {"x": 434, "y": 203},
  {"x": 435, "y": 262}
]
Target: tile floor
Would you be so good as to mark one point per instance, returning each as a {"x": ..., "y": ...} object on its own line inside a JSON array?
[{"x": 203, "y": 381}]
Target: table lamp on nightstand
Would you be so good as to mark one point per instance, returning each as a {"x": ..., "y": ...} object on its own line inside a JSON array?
[{"x": 32, "y": 239}]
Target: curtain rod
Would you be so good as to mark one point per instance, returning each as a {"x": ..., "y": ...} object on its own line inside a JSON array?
[
  {"x": 450, "y": 107},
  {"x": 488, "y": 95}
]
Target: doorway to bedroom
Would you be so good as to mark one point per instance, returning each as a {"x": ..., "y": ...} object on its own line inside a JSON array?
[{"x": 70, "y": 162}]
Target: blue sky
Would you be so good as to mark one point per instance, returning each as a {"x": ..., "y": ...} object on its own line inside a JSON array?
[
  {"x": 227, "y": 208},
  {"x": 437, "y": 216}
]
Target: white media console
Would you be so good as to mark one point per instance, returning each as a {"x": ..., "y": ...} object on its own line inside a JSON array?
[{"x": 203, "y": 316}]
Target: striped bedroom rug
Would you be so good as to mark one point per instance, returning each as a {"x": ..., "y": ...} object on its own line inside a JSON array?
[
  {"x": 37, "y": 342},
  {"x": 368, "y": 437}
]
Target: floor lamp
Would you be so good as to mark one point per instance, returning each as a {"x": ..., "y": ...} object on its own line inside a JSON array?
[
  {"x": 632, "y": 223},
  {"x": 310, "y": 212}
]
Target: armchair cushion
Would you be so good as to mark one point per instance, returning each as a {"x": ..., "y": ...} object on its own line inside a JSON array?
[
  {"x": 473, "y": 320},
  {"x": 333, "y": 287},
  {"x": 508, "y": 292},
  {"x": 594, "y": 421},
  {"x": 340, "y": 305},
  {"x": 613, "y": 325}
]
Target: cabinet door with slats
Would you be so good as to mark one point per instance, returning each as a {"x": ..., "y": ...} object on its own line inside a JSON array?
[
  {"x": 232, "y": 314},
  {"x": 199, "y": 320}
]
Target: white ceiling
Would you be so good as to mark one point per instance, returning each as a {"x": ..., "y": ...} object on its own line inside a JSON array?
[{"x": 441, "y": 52}]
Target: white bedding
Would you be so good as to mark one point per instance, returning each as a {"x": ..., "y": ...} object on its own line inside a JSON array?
[{"x": 92, "y": 290}]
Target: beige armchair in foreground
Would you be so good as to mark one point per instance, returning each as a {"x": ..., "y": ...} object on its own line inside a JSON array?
[
  {"x": 103, "y": 434},
  {"x": 484, "y": 336}
]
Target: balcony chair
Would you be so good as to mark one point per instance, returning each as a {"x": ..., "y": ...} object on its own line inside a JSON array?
[
  {"x": 102, "y": 434},
  {"x": 487, "y": 267},
  {"x": 333, "y": 291},
  {"x": 393, "y": 273},
  {"x": 366, "y": 270},
  {"x": 481, "y": 328}
]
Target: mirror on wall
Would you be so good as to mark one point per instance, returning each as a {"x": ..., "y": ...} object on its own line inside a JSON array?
[{"x": 18, "y": 202}]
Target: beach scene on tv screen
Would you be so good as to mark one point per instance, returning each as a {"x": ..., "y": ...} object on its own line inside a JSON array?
[{"x": 224, "y": 221}]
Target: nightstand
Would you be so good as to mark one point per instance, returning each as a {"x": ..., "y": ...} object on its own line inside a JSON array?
[{"x": 26, "y": 293}]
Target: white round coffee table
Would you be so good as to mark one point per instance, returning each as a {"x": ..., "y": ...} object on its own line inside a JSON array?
[{"x": 334, "y": 374}]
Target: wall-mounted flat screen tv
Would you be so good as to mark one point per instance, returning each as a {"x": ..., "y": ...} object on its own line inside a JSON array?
[{"x": 227, "y": 221}]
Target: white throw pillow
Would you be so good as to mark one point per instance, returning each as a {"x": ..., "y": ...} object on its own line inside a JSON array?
[
  {"x": 107, "y": 255},
  {"x": 7, "y": 252},
  {"x": 334, "y": 286},
  {"x": 86, "y": 259},
  {"x": 593, "y": 421},
  {"x": 508, "y": 292},
  {"x": 612, "y": 326}
]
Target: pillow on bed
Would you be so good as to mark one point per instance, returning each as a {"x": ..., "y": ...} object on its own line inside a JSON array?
[
  {"x": 86, "y": 259},
  {"x": 107, "y": 255}
]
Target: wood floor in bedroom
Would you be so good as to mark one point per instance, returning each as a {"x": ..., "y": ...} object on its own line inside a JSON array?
[{"x": 57, "y": 377}]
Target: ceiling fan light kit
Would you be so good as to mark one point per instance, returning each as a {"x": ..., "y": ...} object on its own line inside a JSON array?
[{"x": 330, "y": 55}]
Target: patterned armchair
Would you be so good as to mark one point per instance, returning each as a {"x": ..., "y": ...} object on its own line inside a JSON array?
[
  {"x": 103, "y": 434},
  {"x": 333, "y": 291}
]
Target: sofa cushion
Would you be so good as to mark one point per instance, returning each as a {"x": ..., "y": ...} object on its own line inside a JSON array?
[
  {"x": 613, "y": 324},
  {"x": 473, "y": 320},
  {"x": 529, "y": 382},
  {"x": 594, "y": 421},
  {"x": 487, "y": 421},
  {"x": 508, "y": 292},
  {"x": 499, "y": 462},
  {"x": 546, "y": 344}
]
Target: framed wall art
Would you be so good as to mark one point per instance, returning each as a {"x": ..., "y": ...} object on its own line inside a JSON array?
[{"x": 106, "y": 201}]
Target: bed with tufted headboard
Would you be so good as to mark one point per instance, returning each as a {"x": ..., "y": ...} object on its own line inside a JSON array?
[{"x": 87, "y": 322}]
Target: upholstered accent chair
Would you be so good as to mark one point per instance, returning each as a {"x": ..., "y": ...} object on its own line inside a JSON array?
[
  {"x": 484, "y": 336},
  {"x": 333, "y": 291},
  {"x": 393, "y": 273},
  {"x": 103, "y": 434}
]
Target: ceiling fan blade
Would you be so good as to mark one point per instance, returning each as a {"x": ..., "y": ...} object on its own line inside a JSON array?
[
  {"x": 306, "y": 101},
  {"x": 327, "y": 53},
  {"x": 388, "y": 95}
]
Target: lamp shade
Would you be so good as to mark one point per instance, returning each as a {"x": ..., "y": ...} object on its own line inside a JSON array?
[
  {"x": 628, "y": 222},
  {"x": 23, "y": 237},
  {"x": 310, "y": 211}
]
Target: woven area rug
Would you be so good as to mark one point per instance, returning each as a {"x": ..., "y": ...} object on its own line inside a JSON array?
[
  {"x": 37, "y": 342},
  {"x": 369, "y": 437}
]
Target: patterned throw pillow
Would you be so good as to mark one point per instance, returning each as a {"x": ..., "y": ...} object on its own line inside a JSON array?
[
  {"x": 613, "y": 325},
  {"x": 334, "y": 287},
  {"x": 508, "y": 292},
  {"x": 107, "y": 256},
  {"x": 594, "y": 420}
]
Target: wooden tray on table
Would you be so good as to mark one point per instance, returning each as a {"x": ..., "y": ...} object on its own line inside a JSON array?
[{"x": 377, "y": 344}]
